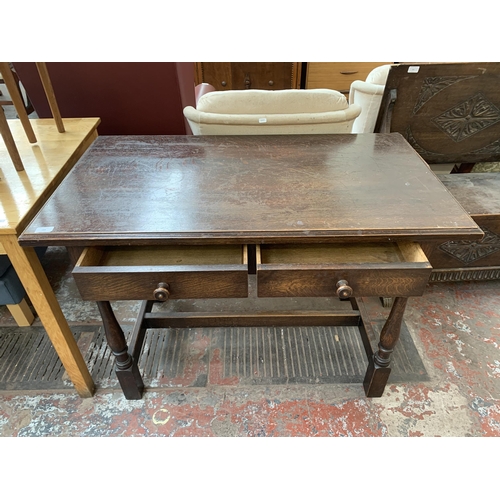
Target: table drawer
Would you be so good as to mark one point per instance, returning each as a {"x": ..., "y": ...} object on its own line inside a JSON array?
[
  {"x": 141, "y": 273},
  {"x": 389, "y": 270}
]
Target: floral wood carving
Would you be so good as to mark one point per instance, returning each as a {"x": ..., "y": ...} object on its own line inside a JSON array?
[
  {"x": 432, "y": 85},
  {"x": 470, "y": 251},
  {"x": 493, "y": 148},
  {"x": 468, "y": 118}
]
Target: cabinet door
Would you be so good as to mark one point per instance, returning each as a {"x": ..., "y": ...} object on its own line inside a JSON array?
[
  {"x": 216, "y": 74},
  {"x": 245, "y": 75}
]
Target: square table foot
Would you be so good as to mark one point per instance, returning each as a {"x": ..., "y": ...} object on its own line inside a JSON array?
[
  {"x": 375, "y": 380},
  {"x": 130, "y": 381}
]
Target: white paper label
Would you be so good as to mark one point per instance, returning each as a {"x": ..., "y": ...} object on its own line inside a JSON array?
[
  {"x": 262, "y": 120},
  {"x": 413, "y": 69},
  {"x": 45, "y": 229}
]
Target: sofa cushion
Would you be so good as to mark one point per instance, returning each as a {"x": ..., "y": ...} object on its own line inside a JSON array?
[{"x": 289, "y": 101}]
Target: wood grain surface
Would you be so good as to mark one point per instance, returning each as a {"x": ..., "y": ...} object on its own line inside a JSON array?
[{"x": 249, "y": 189}]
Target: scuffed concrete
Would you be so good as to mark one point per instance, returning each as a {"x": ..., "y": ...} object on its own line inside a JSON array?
[
  {"x": 417, "y": 410},
  {"x": 455, "y": 328},
  {"x": 422, "y": 411}
]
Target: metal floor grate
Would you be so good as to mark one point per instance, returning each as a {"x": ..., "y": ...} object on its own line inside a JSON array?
[
  {"x": 28, "y": 360},
  {"x": 293, "y": 355},
  {"x": 309, "y": 355},
  {"x": 207, "y": 356}
]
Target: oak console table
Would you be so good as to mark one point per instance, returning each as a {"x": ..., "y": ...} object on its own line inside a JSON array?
[{"x": 175, "y": 217}]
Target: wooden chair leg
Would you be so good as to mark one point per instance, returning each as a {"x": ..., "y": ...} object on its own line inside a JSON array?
[
  {"x": 51, "y": 97},
  {"x": 21, "y": 313},
  {"x": 17, "y": 99},
  {"x": 9, "y": 142}
]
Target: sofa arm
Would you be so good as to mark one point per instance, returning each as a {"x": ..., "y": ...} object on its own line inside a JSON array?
[{"x": 369, "y": 97}]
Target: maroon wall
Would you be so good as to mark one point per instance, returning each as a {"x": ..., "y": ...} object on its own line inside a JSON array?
[{"x": 130, "y": 98}]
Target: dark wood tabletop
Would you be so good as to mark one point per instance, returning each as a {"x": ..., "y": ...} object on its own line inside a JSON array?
[{"x": 249, "y": 189}]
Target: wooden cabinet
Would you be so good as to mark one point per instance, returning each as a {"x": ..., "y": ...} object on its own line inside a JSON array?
[
  {"x": 249, "y": 75},
  {"x": 337, "y": 75}
]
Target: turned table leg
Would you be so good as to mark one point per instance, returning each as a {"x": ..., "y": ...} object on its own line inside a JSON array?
[
  {"x": 378, "y": 370},
  {"x": 126, "y": 368}
]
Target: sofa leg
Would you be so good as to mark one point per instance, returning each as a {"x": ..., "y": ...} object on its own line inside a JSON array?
[{"x": 21, "y": 313}]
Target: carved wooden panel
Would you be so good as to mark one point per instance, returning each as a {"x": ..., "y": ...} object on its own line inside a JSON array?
[
  {"x": 479, "y": 196},
  {"x": 468, "y": 252},
  {"x": 449, "y": 112}
]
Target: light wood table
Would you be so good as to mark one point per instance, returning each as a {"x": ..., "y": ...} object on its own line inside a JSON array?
[{"x": 22, "y": 194}]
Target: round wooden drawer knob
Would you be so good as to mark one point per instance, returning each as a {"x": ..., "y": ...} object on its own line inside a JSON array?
[
  {"x": 162, "y": 292},
  {"x": 344, "y": 291}
]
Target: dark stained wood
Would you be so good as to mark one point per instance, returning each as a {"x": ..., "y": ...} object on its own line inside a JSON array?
[
  {"x": 128, "y": 273},
  {"x": 282, "y": 189},
  {"x": 336, "y": 208},
  {"x": 139, "y": 331},
  {"x": 74, "y": 254},
  {"x": 316, "y": 270},
  {"x": 126, "y": 367},
  {"x": 249, "y": 75},
  {"x": 365, "y": 327},
  {"x": 479, "y": 195},
  {"x": 449, "y": 112},
  {"x": 366, "y": 281},
  {"x": 378, "y": 368},
  {"x": 258, "y": 318},
  {"x": 133, "y": 284}
]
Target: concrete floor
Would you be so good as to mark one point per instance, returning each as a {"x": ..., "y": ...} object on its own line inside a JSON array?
[{"x": 455, "y": 328}]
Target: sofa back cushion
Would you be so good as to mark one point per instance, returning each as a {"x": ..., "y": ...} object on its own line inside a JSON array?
[{"x": 287, "y": 101}]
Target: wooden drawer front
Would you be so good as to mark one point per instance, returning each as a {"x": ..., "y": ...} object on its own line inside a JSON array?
[
  {"x": 337, "y": 76},
  {"x": 390, "y": 270},
  {"x": 134, "y": 273}
]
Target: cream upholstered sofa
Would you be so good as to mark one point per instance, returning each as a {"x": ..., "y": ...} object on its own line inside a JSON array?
[
  {"x": 261, "y": 112},
  {"x": 368, "y": 95}
]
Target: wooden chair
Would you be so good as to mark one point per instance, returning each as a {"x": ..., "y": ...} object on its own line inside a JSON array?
[{"x": 15, "y": 93}]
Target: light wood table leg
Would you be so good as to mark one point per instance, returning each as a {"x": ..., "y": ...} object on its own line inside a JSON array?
[
  {"x": 21, "y": 313},
  {"x": 37, "y": 286}
]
